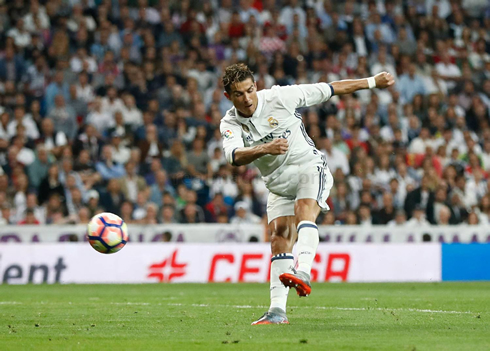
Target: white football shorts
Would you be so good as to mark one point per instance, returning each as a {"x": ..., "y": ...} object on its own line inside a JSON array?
[{"x": 311, "y": 181}]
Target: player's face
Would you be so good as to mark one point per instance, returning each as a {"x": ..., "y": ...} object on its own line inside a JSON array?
[{"x": 244, "y": 97}]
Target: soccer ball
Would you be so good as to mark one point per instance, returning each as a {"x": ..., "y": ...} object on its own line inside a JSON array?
[{"x": 107, "y": 233}]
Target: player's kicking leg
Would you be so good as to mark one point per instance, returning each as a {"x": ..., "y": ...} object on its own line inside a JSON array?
[
  {"x": 283, "y": 237},
  {"x": 312, "y": 196},
  {"x": 307, "y": 211}
]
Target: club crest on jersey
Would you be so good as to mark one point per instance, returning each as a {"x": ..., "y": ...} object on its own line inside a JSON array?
[
  {"x": 227, "y": 134},
  {"x": 245, "y": 128},
  {"x": 273, "y": 123}
]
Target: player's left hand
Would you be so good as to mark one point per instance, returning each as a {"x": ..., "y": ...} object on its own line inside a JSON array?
[{"x": 384, "y": 80}]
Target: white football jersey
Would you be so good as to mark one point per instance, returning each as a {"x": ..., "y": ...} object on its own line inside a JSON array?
[{"x": 275, "y": 117}]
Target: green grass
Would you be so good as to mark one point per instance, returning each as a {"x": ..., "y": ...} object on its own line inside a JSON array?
[{"x": 438, "y": 316}]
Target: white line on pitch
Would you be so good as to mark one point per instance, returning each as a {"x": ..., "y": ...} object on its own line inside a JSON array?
[
  {"x": 331, "y": 308},
  {"x": 10, "y": 303}
]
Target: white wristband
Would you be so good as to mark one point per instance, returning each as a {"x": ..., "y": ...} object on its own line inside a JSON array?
[{"x": 371, "y": 82}]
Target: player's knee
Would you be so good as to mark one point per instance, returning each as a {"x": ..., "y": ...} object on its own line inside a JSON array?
[{"x": 306, "y": 210}]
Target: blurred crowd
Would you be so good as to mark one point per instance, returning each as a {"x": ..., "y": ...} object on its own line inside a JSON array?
[{"x": 115, "y": 105}]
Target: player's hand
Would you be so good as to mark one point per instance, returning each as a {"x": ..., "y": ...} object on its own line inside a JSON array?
[
  {"x": 384, "y": 80},
  {"x": 277, "y": 147}
]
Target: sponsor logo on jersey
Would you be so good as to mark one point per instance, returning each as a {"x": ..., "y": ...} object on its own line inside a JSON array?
[
  {"x": 227, "y": 134},
  {"x": 245, "y": 128},
  {"x": 267, "y": 138},
  {"x": 273, "y": 123}
]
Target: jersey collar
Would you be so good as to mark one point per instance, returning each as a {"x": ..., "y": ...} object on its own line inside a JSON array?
[{"x": 257, "y": 112}]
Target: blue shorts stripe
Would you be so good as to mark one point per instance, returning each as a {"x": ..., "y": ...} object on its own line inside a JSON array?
[
  {"x": 323, "y": 179},
  {"x": 320, "y": 186}
]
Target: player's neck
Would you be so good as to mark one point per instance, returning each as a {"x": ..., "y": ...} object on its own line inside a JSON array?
[{"x": 246, "y": 115}]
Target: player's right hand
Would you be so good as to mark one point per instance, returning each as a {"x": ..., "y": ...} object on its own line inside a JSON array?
[
  {"x": 384, "y": 80},
  {"x": 277, "y": 147}
]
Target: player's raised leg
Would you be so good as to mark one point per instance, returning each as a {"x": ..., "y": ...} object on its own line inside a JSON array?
[
  {"x": 307, "y": 210},
  {"x": 313, "y": 191},
  {"x": 283, "y": 230}
]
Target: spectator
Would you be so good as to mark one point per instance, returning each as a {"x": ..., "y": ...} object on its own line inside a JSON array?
[
  {"x": 198, "y": 160},
  {"x": 102, "y": 120},
  {"x": 120, "y": 153},
  {"x": 127, "y": 211},
  {"x": 473, "y": 219},
  {"x": 443, "y": 215},
  {"x": 223, "y": 183},
  {"x": 93, "y": 202},
  {"x": 53, "y": 141},
  {"x": 168, "y": 215},
  {"x": 21, "y": 36},
  {"x": 365, "y": 218},
  {"x": 63, "y": 117},
  {"x": 161, "y": 186},
  {"x": 50, "y": 185},
  {"x": 132, "y": 116},
  {"x": 107, "y": 168},
  {"x": 39, "y": 211},
  {"x": 7, "y": 217},
  {"x": 74, "y": 201},
  {"x": 78, "y": 104},
  {"x": 20, "y": 118},
  {"x": 243, "y": 214},
  {"x": 335, "y": 158},
  {"x": 11, "y": 66},
  {"x": 38, "y": 169},
  {"x": 410, "y": 84},
  {"x": 111, "y": 103},
  {"x": 29, "y": 219},
  {"x": 167, "y": 237},
  {"x": 150, "y": 147},
  {"x": 57, "y": 87},
  {"x": 56, "y": 212},
  {"x": 249, "y": 193},
  {"x": 191, "y": 215},
  {"x": 113, "y": 198},
  {"x": 132, "y": 183},
  {"x": 84, "y": 216},
  {"x": 215, "y": 207},
  {"x": 399, "y": 221},
  {"x": 448, "y": 71}
]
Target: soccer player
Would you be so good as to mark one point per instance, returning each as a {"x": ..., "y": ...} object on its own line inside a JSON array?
[{"x": 264, "y": 127}]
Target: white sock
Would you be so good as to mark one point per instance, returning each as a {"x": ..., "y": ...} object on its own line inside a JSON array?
[
  {"x": 307, "y": 244},
  {"x": 281, "y": 263}
]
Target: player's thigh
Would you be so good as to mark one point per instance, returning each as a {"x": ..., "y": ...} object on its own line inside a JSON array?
[
  {"x": 280, "y": 216},
  {"x": 279, "y": 206},
  {"x": 313, "y": 191}
]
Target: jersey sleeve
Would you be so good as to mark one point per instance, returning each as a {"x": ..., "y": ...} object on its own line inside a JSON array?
[
  {"x": 231, "y": 134},
  {"x": 304, "y": 95}
]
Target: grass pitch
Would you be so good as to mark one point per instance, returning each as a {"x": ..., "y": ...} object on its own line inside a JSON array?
[{"x": 438, "y": 316}]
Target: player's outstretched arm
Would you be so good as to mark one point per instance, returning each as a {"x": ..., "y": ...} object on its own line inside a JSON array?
[
  {"x": 245, "y": 155},
  {"x": 381, "y": 80}
]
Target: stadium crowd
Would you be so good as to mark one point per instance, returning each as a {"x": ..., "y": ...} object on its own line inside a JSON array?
[{"x": 115, "y": 106}]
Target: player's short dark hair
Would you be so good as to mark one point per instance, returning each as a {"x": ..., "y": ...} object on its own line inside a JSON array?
[{"x": 236, "y": 73}]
